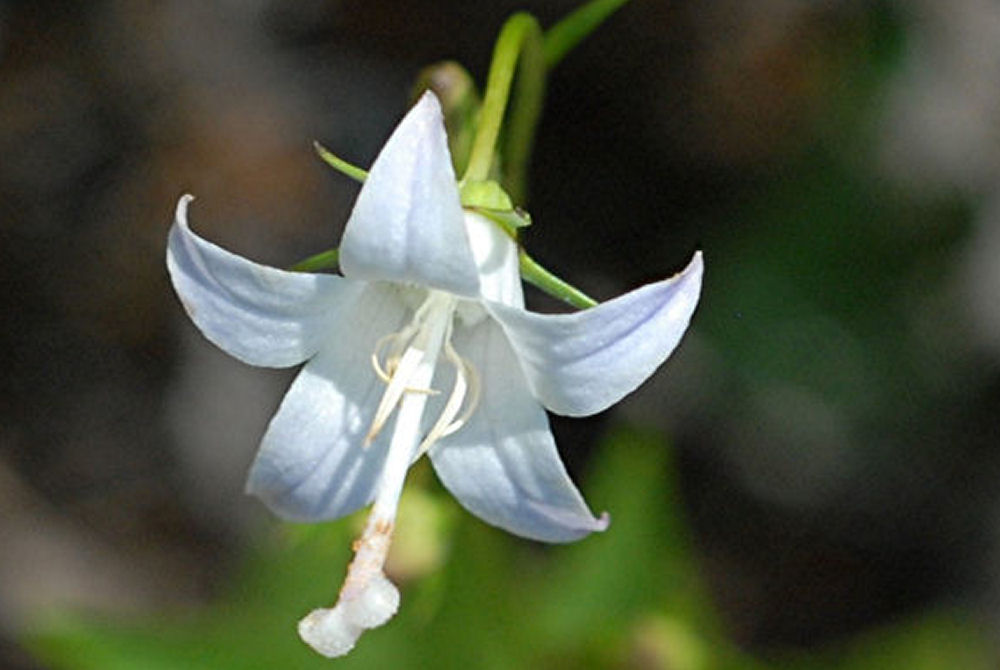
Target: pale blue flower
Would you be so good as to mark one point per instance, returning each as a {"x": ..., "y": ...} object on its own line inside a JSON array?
[{"x": 430, "y": 300}]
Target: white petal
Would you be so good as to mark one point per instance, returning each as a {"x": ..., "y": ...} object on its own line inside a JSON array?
[
  {"x": 259, "y": 314},
  {"x": 495, "y": 254},
  {"x": 312, "y": 465},
  {"x": 407, "y": 223},
  {"x": 503, "y": 465},
  {"x": 584, "y": 362}
]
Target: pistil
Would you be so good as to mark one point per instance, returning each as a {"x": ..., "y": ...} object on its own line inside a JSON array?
[{"x": 367, "y": 598}]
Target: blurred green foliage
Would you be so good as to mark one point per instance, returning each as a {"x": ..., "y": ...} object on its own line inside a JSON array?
[{"x": 629, "y": 598}]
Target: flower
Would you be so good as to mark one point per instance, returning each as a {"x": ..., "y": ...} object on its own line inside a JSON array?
[{"x": 424, "y": 282}]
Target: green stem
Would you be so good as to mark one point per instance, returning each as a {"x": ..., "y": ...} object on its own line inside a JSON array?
[
  {"x": 519, "y": 35},
  {"x": 535, "y": 274},
  {"x": 519, "y": 136},
  {"x": 561, "y": 38}
]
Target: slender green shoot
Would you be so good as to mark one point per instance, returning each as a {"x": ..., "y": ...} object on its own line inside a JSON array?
[
  {"x": 535, "y": 274},
  {"x": 561, "y": 38},
  {"x": 339, "y": 164}
]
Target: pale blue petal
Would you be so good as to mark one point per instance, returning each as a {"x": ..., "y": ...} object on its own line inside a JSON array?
[
  {"x": 312, "y": 465},
  {"x": 407, "y": 223},
  {"x": 495, "y": 254},
  {"x": 503, "y": 466},
  {"x": 582, "y": 363},
  {"x": 258, "y": 314}
]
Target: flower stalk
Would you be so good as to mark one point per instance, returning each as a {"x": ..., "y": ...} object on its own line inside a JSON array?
[{"x": 519, "y": 44}]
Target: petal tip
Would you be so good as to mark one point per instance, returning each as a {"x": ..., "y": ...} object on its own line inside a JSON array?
[
  {"x": 429, "y": 103},
  {"x": 182, "y": 207},
  {"x": 695, "y": 266}
]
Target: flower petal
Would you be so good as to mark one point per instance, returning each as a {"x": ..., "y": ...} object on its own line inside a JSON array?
[
  {"x": 312, "y": 465},
  {"x": 582, "y": 363},
  {"x": 503, "y": 466},
  {"x": 259, "y": 314},
  {"x": 495, "y": 254},
  {"x": 407, "y": 223}
]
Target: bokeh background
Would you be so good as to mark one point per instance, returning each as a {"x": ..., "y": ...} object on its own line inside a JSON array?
[{"x": 810, "y": 482}]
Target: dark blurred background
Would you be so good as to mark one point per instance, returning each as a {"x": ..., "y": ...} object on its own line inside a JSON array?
[{"x": 834, "y": 407}]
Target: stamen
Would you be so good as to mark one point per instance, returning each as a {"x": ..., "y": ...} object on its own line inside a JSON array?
[
  {"x": 466, "y": 385},
  {"x": 408, "y": 364},
  {"x": 387, "y": 372},
  {"x": 452, "y": 407},
  {"x": 390, "y": 363},
  {"x": 399, "y": 343},
  {"x": 402, "y": 356},
  {"x": 474, "y": 390}
]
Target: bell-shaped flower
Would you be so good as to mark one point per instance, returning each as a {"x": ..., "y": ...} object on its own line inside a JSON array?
[{"x": 422, "y": 346}]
